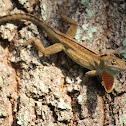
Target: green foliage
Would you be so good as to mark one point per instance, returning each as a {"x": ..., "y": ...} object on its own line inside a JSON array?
[
  {"x": 124, "y": 42},
  {"x": 84, "y": 2},
  {"x": 1, "y": 79},
  {"x": 78, "y": 35},
  {"x": 87, "y": 31},
  {"x": 124, "y": 49},
  {"x": 22, "y": 120},
  {"x": 22, "y": 1},
  {"x": 84, "y": 26},
  {"x": 63, "y": 105},
  {"x": 89, "y": 13},
  {"x": 122, "y": 120}
]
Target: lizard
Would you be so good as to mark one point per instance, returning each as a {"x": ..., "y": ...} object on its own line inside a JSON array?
[{"x": 107, "y": 65}]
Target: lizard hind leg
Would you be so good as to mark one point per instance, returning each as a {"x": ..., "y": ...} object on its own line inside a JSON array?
[
  {"x": 73, "y": 28},
  {"x": 55, "y": 48}
]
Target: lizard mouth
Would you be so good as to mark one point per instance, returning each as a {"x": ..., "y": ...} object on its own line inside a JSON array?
[
  {"x": 108, "y": 81},
  {"x": 117, "y": 68}
]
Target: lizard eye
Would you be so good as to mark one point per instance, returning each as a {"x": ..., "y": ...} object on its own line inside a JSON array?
[{"x": 113, "y": 62}]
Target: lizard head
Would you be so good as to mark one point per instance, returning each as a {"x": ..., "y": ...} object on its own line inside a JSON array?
[{"x": 111, "y": 65}]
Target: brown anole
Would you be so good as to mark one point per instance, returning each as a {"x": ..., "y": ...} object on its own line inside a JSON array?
[{"x": 107, "y": 65}]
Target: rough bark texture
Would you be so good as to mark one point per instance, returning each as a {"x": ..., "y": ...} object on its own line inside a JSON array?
[{"x": 43, "y": 91}]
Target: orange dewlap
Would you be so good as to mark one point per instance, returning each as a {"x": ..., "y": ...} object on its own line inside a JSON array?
[{"x": 108, "y": 82}]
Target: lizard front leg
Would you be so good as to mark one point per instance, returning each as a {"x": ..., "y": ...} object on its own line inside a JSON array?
[
  {"x": 55, "y": 48},
  {"x": 86, "y": 77},
  {"x": 81, "y": 98},
  {"x": 112, "y": 51}
]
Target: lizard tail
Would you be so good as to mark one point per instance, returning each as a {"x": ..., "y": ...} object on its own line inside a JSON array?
[{"x": 14, "y": 17}]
